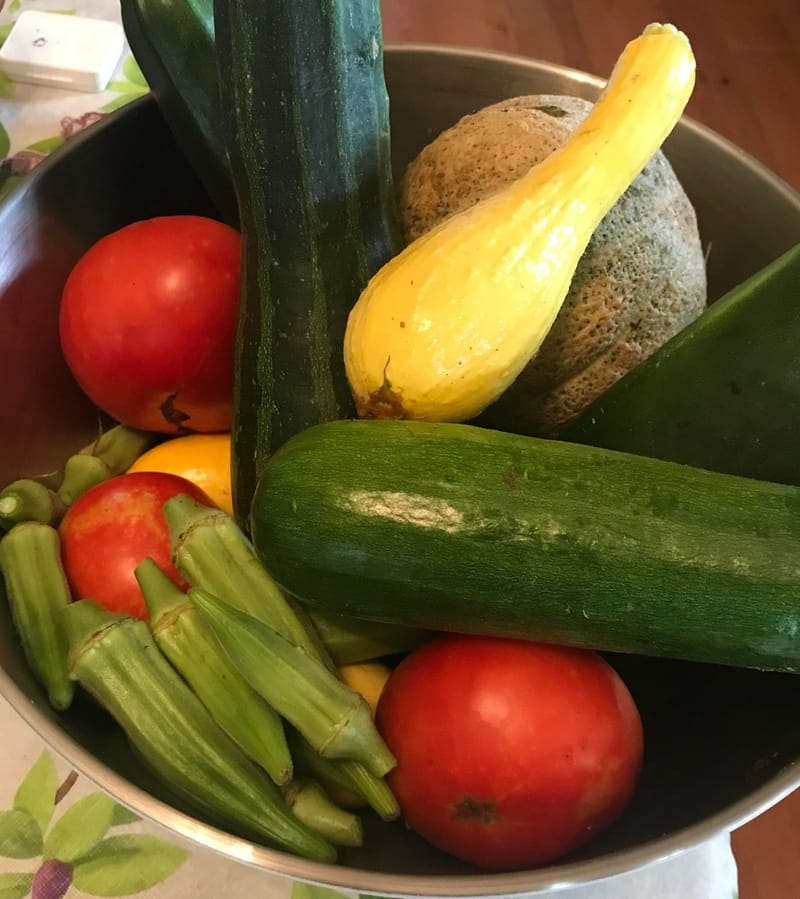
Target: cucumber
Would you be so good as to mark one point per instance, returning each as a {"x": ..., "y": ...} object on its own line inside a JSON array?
[
  {"x": 723, "y": 394},
  {"x": 307, "y": 126},
  {"x": 454, "y": 527}
]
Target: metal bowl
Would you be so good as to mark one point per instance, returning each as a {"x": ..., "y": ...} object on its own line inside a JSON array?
[{"x": 722, "y": 744}]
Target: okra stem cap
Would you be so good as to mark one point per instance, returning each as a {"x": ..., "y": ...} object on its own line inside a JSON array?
[{"x": 84, "y": 620}]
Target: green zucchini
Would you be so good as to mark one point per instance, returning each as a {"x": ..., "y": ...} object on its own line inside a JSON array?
[
  {"x": 173, "y": 43},
  {"x": 460, "y": 528},
  {"x": 723, "y": 394},
  {"x": 308, "y": 130}
]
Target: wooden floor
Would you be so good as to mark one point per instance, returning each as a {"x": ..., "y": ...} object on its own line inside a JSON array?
[{"x": 748, "y": 89}]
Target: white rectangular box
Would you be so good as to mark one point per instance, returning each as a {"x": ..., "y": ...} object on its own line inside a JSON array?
[{"x": 72, "y": 52}]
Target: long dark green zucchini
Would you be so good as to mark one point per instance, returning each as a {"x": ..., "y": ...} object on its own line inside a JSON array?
[
  {"x": 308, "y": 128},
  {"x": 459, "y": 528},
  {"x": 173, "y": 43},
  {"x": 723, "y": 394}
]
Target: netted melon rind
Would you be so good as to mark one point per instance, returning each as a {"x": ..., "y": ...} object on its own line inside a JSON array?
[{"x": 641, "y": 280}]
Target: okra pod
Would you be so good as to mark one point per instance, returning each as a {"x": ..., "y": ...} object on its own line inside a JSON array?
[
  {"x": 314, "y": 808},
  {"x": 189, "y": 644},
  {"x": 335, "y": 719},
  {"x": 81, "y": 473},
  {"x": 344, "y": 774},
  {"x": 115, "y": 659},
  {"x": 119, "y": 447},
  {"x": 351, "y": 640},
  {"x": 213, "y": 553},
  {"x": 28, "y": 500},
  {"x": 30, "y": 558},
  {"x": 111, "y": 454}
]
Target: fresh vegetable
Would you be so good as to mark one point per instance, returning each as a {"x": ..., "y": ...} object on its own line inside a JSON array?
[
  {"x": 37, "y": 595},
  {"x": 147, "y": 323},
  {"x": 345, "y": 779},
  {"x": 212, "y": 553},
  {"x": 115, "y": 659},
  {"x": 109, "y": 530},
  {"x": 446, "y": 326},
  {"x": 366, "y": 678},
  {"x": 203, "y": 459},
  {"x": 310, "y": 804},
  {"x": 30, "y": 499},
  {"x": 307, "y": 124},
  {"x": 509, "y": 753},
  {"x": 641, "y": 279},
  {"x": 724, "y": 394},
  {"x": 334, "y": 719},
  {"x": 173, "y": 43},
  {"x": 190, "y": 646},
  {"x": 352, "y": 640},
  {"x": 454, "y": 527}
]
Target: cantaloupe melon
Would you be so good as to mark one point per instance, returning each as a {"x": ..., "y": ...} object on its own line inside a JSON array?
[{"x": 641, "y": 280}]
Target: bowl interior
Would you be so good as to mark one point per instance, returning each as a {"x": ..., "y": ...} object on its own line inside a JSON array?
[{"x": 720, "y": 743}]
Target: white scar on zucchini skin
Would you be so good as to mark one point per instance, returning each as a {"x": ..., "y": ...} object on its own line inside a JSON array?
[{"x": 406, "y": 508}]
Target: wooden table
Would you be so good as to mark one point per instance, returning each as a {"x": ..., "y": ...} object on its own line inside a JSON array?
[{"x": 748, "y": 89}]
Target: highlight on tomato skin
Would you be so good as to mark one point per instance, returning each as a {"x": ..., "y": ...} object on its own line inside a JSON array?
[
  {"x": 510, "y": 754},
  {"x": 147, "y": 323},
  {"x": 113, "y": 527}
]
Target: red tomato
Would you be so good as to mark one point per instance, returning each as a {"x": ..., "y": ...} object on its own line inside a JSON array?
[
  {"x": 114, "y": 526},
  {"x": 509, "y": 753},
  {"x": 147, "y": 323}
]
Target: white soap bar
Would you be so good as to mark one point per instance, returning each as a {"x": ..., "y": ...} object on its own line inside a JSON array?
[{"x": 71, "y": 52}]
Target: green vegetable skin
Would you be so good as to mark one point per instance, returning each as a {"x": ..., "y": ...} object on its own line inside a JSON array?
[
  {"x": 454, "y": 527},
  {"x": 723, "y": 394},
  {"x": 173, "y": 43},
  {"x": 308, "y": 128}
]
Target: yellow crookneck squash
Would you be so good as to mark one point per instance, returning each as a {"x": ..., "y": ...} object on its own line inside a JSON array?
[{"x": 446, "y": 326}]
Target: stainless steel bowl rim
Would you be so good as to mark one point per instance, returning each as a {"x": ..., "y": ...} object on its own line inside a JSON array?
[{"x": 541, "y": 880}]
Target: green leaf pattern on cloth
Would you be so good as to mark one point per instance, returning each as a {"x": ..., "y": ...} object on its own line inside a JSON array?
[
  {"x": 36, "y": 795},
  {"x": 15, "y": 886},
  {"x": 80, "y": 828},
  {"x": 6, "y": 86},
  {"x": 311, "y": 891},
  {"x": 127, "y": 864},
  {"x": 5, "y": 30},
  {"x": 74, "y": 849},
  {"x": 123, "y": 816},
  {"x": 20, "y": 835},
  {"x": 131, "y": 70}
]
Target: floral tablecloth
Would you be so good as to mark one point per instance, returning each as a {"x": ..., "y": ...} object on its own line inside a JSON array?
[{"x": 61, "y": 836}]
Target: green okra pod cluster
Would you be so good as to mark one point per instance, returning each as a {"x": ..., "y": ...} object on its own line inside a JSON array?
[
  {"x": 115, "y": 659},
  {"x": 186, "y": 640},
  {"x": 212, "y": 552},
  {"x": 344, "y": 774},
  {"x": 335, "y": 720},
  {"x": 38, "y": 593},
  {"x": 28, "y": 499}
]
